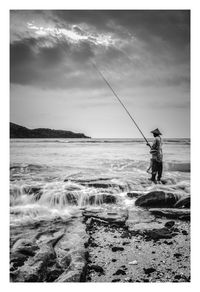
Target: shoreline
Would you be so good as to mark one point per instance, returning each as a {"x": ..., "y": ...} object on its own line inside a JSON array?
[{"x": 106, "y": 243}]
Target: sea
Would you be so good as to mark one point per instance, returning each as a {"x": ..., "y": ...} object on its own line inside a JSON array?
[{"x": 58, "y": 177}]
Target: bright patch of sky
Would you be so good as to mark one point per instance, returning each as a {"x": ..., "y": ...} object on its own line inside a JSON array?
[{"x": 74, "y": 34}]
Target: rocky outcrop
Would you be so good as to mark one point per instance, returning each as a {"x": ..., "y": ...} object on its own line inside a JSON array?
[
  {"x": 183, "y": 203},
  {"x": 116, "y": 218},
  {"x": 54, "y": 251},
  {"x": 157, "y": 199},
  {"x": 102, "y": 199},
  {"x": 133, "y": 195},
  {"x": 181, "y": 214}
]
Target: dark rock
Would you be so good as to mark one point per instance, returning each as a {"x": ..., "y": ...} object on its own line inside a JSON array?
[
  {"x": 114, "y": 260},
  {"x": 124, "y": 267},
  {"x": 125, "y": 234},
  {"x": 133, "y": 195},
  {"x": 17, "y": 259},
  {"x": 157, "y": 199},
  {"x": 93, "y": 244},
  {"x": 156, "y": 234},
  {"x": 102, "y": 199},
  {"x": 177, "y": 255},
  {"x": 169, "y": 224},
  {"x": 125, "y": 243},
  {"x": 184, "y": 232},
  {"x": 168, "y": 242},
  {"x": 183, "y": 203},
  {"x": 97, "y": 269},
  {"x": 116, "y": 248},
  {"x": 71, "y": 198},
  {"x": 177, "y": 277},
  {"x": 119, "y": 272},
  {"x": 117, "y": 218},
  {"x": 116, "y": 280},
  {"x": 181, "y": 214},
  {"x": 109, "y": 199},
  {"x": 149, "y": 270}
]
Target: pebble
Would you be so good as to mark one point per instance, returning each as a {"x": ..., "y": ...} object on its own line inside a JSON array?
[
  {"x": 115, "y": 248},
  {"x": 119, "y": 272},
  {"x": 149, "y": 270},
  {"x": 133, "y": 262}
]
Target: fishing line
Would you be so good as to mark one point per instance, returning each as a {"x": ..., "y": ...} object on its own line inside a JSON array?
[{"x": 115, "y": 94}]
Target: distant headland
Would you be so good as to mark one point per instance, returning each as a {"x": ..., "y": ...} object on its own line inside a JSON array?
[{"x": 17, "y": 131}]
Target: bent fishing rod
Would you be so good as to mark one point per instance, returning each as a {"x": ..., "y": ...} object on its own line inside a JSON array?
[{"x": 108, "y": 84}]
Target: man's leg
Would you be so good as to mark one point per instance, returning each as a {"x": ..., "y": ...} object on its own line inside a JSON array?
[
  {"x": 154, "y": 170},
  {"x": 160, "y": 169}
]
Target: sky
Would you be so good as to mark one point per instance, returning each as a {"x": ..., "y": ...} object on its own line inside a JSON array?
[{"x": 144, "y": 54}]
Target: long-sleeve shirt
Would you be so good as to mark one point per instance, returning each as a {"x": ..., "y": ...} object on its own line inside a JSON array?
[{"x": 157, "y": 149}]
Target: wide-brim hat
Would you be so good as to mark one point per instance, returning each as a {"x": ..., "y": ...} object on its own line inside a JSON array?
[{"x": 156, "y": 131}]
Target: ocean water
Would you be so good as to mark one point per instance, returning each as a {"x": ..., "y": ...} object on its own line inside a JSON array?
[{"x": 54, "y": 177}]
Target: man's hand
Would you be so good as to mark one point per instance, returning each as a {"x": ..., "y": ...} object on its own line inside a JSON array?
[{"x": 148, "y": 145}]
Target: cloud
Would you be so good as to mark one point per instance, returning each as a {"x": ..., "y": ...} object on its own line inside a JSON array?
[{"x": 139, "y": 48}]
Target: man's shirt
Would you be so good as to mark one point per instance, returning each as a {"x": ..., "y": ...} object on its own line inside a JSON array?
[{"x": 157, "y": 146}]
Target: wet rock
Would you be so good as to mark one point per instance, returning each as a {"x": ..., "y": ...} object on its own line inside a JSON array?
[
  {"x": 145, "y": 280},
  {"x": 32, "y": 190},
  {"x": 17, "y": 259},
  {"x": 109, "y": 199},
  {"x": 169, "y": 224},
  {"x": 168, "y": 242},
  {"x": 133, "y": 195},
  {"x": 114, "y": 260},
  {"x": 102, "y": 199},
  {"x": 125, "y": 243},
  {"x": 125, "y": 234},
  {"x": 97, "y": 269},
  {"x": 156, "y": 234},
  {"x": 149, "y": 270},
  {"x": 71, "y": 198},
  {"x": 181, "y": 214},
  {"x": 102, "y": 184},
  {"x": 119, "y": 272},
  {"x": 75, "y": 272},
  {"x": 177, "y": 277},
  {"x": 117, "y": 248},
  {"x": 184, "y": 232},
  {"x": 177, "y": 255},
  {"x": 35, "y": 268},
  {"x": 116, "y": 280},
  {"x": 183, "y": 203},
  {"x": 157, "y": 199},
  {"x": 117, "y": 218}
]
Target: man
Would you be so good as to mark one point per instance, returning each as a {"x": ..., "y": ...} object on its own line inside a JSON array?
[{"x": 157, "y": 156}]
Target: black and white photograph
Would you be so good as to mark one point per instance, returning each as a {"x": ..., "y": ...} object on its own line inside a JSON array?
[{"x": 99, "y": 138}]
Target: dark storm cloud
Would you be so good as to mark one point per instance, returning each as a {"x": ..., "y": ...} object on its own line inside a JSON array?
[
  {"x": 35, "y": 64},
  {"x": 162, "y": 39},
  {"x": 169, "y": 25}
]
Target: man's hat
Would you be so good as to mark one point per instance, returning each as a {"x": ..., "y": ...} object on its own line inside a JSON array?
[{"x": 156, "y": 131}]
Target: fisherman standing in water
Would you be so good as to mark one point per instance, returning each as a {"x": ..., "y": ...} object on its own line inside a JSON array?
[{"x": 157, "y": 157}]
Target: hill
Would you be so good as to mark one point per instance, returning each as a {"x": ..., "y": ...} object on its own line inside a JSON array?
[{"x": 17, "y": 131}]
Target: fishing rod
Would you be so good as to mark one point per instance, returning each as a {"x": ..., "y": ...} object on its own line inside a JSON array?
[{"x": 108, "y": 84}]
